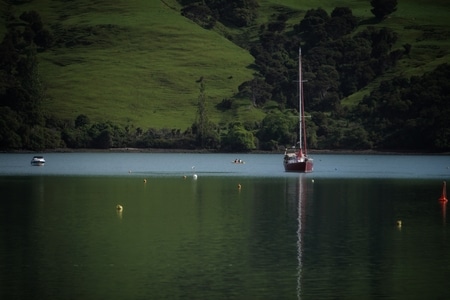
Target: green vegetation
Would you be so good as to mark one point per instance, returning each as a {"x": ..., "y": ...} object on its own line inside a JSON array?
[
  {"x": 142, "y": 69},
  {"x": 381, "y": 9},
  {"x": 127, "y": 71}
]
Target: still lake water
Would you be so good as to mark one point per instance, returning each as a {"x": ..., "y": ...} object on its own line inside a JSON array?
[{"x": 331, "y": 234}]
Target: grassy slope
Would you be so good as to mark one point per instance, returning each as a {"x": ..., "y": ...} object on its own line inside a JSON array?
[{"x": 144, "y": 72}]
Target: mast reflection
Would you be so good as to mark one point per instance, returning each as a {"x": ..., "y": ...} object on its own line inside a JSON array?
[{"x": 299, "y": 193}]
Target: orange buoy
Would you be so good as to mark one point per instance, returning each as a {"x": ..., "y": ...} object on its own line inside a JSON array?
[{"x": 443, "y": 197}]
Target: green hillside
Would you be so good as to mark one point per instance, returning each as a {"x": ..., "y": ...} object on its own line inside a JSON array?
[{"x": 138, "y": 62}]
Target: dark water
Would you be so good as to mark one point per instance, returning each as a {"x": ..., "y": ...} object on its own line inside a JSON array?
[{"x": 331, "y": 234}]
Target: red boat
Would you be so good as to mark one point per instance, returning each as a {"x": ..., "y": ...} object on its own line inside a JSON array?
[
  {"x": 296, "y": 161},
  {"x": 296, "y": 158}
]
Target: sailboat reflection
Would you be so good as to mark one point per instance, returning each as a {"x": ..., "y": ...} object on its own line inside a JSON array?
[
  {"x": 298, "y": 193},
  {"x": 443, "y": 201}
]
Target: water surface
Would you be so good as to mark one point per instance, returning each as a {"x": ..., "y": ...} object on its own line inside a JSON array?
[
  {"x": 255, "y": 165},
  {"x": 331, "y": 234}
]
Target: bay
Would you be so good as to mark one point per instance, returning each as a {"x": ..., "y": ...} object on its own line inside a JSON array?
[
  {"x": 255, "y": 165},
  {"x": 330, "y": 234}
]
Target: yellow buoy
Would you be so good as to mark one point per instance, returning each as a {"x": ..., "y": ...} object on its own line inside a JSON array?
[
  {"x": 145, "y": 180},
  {"x": 239, "y": 186},
  {"x": 399, "y": 223},
  {"x": 119, "y": 207}
]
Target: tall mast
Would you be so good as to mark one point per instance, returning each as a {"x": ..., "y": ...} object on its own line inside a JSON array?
[
  {"x": 301, "y": 106},
  {"x": 300, "y": 100}
]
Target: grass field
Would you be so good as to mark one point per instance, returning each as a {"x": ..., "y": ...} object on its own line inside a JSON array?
[
  {"x": 144, "y": 69},
  {"x": 137, "y": 61}
]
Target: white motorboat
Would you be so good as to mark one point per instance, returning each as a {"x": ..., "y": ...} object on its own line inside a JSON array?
[{"x": 38, "y": 161}]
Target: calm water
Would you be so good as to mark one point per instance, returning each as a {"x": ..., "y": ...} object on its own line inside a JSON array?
[
  {"x": 331, "y": 234},
  {"x": 256, "y": 165}
]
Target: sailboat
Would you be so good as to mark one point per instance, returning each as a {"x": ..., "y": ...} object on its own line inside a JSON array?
[{"x": 296, "y": 158}]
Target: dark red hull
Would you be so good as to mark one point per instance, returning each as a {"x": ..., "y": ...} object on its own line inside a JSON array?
[{"x": 300, "y": 167}]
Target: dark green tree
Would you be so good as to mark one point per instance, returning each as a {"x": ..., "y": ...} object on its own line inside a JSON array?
[
  {"x": 383, "y": 8},
  {"x": 324, "y": 87},
  {"x": 200, "y": 14},
  {"x": 103, "y": 140},
  {"x": 202, "y": 116},
  {"x": 312, "y": 28},
  {"x": 10, "y": 124},
  {"x": 257, "y": 89},
  {"x": 238, "y": 13},
  {"x": 277, "y": 129},
  {"x": 206, "y": 135},
  {"x": 35, "y": 31},
  {"x": 342, "y": 22},
  {"x": 238, "y": 139},
  {"x": 81, "y": 120},
  {"x": 31, "y": 91}
]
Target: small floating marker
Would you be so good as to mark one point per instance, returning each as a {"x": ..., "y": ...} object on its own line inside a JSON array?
[
  {"x": 184, "y": 177},
  {"x": 129, "y": 171},
  {"x": 194, "y": 176},
  {"x": 399, "y": 223},
  {"x": 312, "y": 180},
  {"x": 239, "y": 186},
  {"x": 145, "y": 180},
  {"x": 119, "y": 207},
  {"x": 443, "y": 197}
]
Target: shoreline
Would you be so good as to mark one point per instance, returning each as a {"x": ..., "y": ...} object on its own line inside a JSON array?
[{"x": 204, "y": 151}]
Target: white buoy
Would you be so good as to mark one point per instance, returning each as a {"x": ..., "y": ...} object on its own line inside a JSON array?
[
  {"x": 194, "y": 176},
  {"x": 119, "y": 207}
]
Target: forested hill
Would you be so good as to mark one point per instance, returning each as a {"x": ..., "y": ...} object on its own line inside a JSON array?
[{"x": 221, "y": 75}]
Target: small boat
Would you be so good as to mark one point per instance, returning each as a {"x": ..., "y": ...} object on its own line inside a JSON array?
[
  {"x": 37, "y": 161},
  {"x": 296, "y": 158}
]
